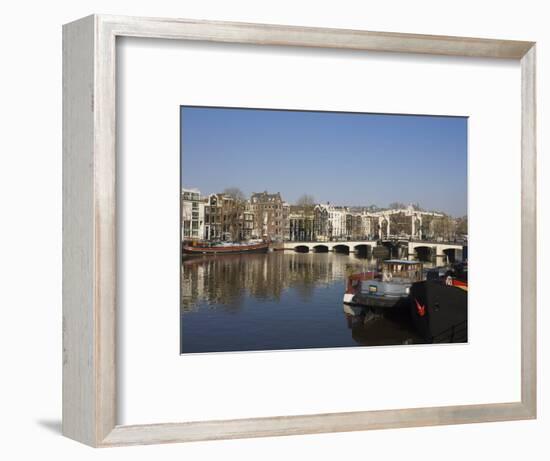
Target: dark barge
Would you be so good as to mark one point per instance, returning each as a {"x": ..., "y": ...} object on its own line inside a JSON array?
[{"x": 439, "y": 310}]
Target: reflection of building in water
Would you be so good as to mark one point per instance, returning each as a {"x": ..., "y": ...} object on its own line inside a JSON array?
[
  {"x": 192, "y": 287},
  {"x": 223, "y": 279}
]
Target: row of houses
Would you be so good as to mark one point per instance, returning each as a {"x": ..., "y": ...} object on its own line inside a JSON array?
[
  {"x": 225, "y": 217},
  {"x": 267, "y": 216}
]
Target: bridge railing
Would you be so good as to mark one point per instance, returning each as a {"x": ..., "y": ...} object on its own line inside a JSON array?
[
  {"x": 443, "y": 242},
  {"x": 334, "y": 242}
]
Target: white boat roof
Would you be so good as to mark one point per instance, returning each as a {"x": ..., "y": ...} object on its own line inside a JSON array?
[{"x": 400, "y": 261}]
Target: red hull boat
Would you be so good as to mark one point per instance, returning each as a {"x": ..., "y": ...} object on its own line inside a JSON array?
[{"x": 234, "y": 248}]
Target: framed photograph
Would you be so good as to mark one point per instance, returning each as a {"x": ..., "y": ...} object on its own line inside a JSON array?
[
  {"x": 275, "y": 230},
  {"x": 265, "y": 270}
]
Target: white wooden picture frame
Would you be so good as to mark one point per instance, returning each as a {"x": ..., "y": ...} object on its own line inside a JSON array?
[{"x": 89, "y": 229}]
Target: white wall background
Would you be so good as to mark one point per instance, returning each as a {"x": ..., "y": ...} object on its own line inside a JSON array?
[{"x": 30, "y": 230}]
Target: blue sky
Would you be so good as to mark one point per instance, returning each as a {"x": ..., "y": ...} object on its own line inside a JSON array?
[{"x": 342, "y": 158}]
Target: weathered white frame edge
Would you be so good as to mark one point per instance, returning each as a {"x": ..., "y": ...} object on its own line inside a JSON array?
[{"x": 89, "y": 230}]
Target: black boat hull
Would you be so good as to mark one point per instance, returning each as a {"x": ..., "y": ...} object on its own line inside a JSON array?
[{"x": 439, "y": 312}]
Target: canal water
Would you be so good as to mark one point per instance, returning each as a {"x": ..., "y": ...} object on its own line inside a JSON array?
[{"x": 278, "y": 301}]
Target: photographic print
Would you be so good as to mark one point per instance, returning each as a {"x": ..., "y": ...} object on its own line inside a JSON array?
[{"x": 315, "y": 229}]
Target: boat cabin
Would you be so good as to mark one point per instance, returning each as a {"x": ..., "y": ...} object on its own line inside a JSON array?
[
  {"x": 387, "y": 287},
  {"x": 409, "y": 271}
]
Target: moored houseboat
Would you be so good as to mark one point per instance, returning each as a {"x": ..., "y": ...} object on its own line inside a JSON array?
[
  {"x": 223, "y": 248},
  {"x": 354, "y": 283},
  {"x": 439, "y": 309},
  {"x": 387, "y": 288}
]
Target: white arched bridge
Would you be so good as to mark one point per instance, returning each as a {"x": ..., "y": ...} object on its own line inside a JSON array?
[
  {"x": 325, "y": 247},
  {"x": 424, "y": 250}
]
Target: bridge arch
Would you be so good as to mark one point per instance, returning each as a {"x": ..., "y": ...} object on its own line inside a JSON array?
[
  {"x": 452, "y": 254},
  {"x": 425, "y": 253},
  {"x": 301, "y": 249},
  {"x": 392, "y": 248},
  {"x": 341, "y": 249},
  {"x": 320, "y": 249},
  {"x": 363, "y": 250}
]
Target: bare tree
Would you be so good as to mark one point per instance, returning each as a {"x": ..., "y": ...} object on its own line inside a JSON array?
[
  {"x": 235, "y": 193},
  {"x": 444, "y": 227},
  {"x": 462, "y": 225},
  {"x": 400, "y": 224},
  {"x": 396, "y": 206},
  {"x": 233, "y": 212},
  {"x": 305, "y": 200},
  {"x": 306, "y": 205}
]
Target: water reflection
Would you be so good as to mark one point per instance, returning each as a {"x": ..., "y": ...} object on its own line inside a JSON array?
[
  {"x": 277, "y": 301},
  {"x": 370, "y": 329},
  {"x": 226, "y": 280}
]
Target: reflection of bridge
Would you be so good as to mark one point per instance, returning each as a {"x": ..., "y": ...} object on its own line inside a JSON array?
[{"x": 424, "y": 250}]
